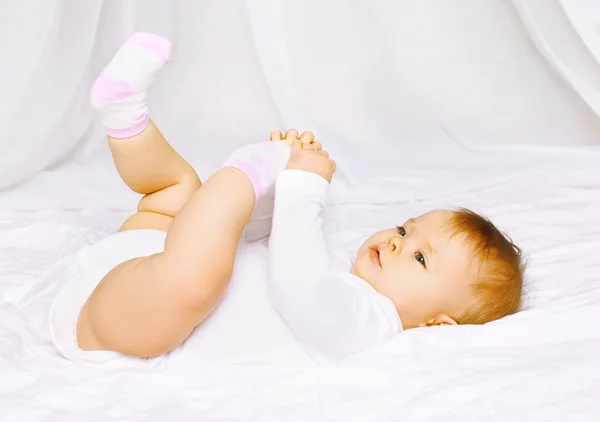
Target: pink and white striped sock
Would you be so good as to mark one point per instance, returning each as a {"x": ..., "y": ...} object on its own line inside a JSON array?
[
  {"x": 261, "y": 163},
  {"x": 119, "y": 94}
]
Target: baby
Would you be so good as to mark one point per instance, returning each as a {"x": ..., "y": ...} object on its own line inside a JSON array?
[
  {"x": 441, "y": 268},
  {"x": 142, "y": 291}
]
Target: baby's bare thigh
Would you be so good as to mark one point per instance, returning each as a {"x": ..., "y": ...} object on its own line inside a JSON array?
[{"x": 144, "y": 307}]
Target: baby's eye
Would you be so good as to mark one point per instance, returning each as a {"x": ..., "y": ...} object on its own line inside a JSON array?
[
  {"x": 420, "y": 259},
  {"x": 401, "y": 231}
]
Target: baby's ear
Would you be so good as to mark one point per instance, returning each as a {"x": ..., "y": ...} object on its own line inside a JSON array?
[{"x": 441, "y": 319}]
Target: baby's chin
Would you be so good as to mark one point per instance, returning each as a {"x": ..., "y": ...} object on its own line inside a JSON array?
[{"x": 360, "y": 269}]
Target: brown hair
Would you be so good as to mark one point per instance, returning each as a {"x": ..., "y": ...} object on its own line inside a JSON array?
[{"x": 499, "y": 283}]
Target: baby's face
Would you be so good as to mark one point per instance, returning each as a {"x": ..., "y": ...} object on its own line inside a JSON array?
[{"x": 423, "y": 270}]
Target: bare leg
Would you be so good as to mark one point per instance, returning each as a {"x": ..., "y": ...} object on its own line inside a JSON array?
[
  {"x": 150, "y": 166},
  {"x": 149, "y": 305}
]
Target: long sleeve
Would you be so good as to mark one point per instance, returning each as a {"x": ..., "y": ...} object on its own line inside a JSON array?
[{"x": 332, "y": 314}]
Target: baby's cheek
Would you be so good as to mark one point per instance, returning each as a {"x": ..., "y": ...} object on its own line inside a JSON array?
[{"x": 401, "y": 287}]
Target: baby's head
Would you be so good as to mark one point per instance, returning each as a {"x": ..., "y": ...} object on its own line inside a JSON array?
[{"x": 444, "y": 267}]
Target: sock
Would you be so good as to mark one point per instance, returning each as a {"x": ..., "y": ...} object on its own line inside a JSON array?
[
  {"x": 119, "y": 94},
  {"x": 261, "y": 221},
  {"x": 261, "y": 163}
]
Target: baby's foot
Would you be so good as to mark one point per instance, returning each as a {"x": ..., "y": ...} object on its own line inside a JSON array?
[
  {"x": 119, "y": 94},
  {"x": 261, "y": 162}
]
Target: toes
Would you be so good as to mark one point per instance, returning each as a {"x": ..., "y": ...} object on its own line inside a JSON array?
[
  {"x": 276, "y": 136},
  {"x": 307, "y": 137},
  {"x": 317, "y": 146},
  {"x": 325, "y": 153}
]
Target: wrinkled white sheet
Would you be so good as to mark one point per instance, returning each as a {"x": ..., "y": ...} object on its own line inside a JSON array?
[{"x": 541, "y": 364}]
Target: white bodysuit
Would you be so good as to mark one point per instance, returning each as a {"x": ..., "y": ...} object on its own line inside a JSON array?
[{"x": 334, "y": 314}]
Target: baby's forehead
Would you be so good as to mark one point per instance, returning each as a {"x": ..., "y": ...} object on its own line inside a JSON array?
[
  {"x": 439, "y": 232},
  {"x": 434, "y": 224},
  {"x": 456, "y": 257}
]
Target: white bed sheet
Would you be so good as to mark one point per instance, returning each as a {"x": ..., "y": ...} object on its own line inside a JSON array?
[{"x": 541, "y": 364}]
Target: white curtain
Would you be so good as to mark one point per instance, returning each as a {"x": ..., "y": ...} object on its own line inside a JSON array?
[
  {"x": 567, "y": 33},
  {"x": 482, "y": 74}
]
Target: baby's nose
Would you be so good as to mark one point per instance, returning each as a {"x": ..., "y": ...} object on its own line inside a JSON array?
[{"x": 395, "y": 243}]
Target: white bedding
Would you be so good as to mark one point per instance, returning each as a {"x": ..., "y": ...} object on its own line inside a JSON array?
[
  {"x": 541, "y": 364},
  {"x": 391, "y": 88}
]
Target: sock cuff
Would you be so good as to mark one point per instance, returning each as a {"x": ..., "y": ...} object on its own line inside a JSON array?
[
  {"x": 129, "y": 132},
  {"x": 251, "y": 173}
]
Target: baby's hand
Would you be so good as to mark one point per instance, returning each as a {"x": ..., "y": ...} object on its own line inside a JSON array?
[
  {"x": 291, "y": 136},
  {"x": 311, "y": 158}
]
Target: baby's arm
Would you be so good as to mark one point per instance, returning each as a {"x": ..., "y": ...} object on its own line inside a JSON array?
[
  {"x": 297, "y": 247},
  {"x": 331, "y": 317}
]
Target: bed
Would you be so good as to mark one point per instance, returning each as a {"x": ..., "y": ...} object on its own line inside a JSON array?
[{"x": 541, "y": 364}]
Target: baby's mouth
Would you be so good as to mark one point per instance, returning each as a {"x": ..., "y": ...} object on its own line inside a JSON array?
[{"x": 375, "y": 256}]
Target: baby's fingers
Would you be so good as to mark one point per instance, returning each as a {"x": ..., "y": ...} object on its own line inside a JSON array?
[
  {"x": 291, "y": 136},
  {"x": 276, "y": 136},
  {"x": 315, "y": 146},
  {"x": 296, "y": 147},
  {"x": 307, "y": 137}
]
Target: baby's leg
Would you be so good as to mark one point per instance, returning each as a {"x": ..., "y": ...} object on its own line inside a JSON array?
[
  {"x": 149, "y": 305},
  {"x": 150, "y": 166},
  {"x": 143, "y": 157}
]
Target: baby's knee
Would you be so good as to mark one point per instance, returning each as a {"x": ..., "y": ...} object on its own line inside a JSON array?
[{"x": 191, "y": 181}]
